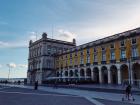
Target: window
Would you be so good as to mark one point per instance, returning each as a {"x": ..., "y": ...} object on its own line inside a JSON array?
[
  {"x": 48, "y": 64},
  {"x": 122, "y": 43},
  {"x": 88, "y": 59},
  {"x": 70, "y": 61},
  {"x": 103, "y": 48},
  {"x": 76, "y": 53},
  {"x": 87, "y": 51},
  {"x": 134, "y": 52},
  {"x": 95, "y": 50},
  {"x": 70, "y": 55},
  {"x": 95, "y": 57},
  {"x": 112, "y": 55},
  {"x": 81, "y": 60},
  {"x": 81, "y": 53},
  {"x": 133, "y": 41},
  {"x": 123, "y": 54},
  {"x": 76, "y": 61},
  {"x": 112, "y": 45},
  {"x": 49, "y": 50},
  {"x": 54, "y": 49},
  {"x": 103, "y": 56}
]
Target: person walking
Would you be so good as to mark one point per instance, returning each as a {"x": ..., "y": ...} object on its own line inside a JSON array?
[{"x": 128, "y": 92}]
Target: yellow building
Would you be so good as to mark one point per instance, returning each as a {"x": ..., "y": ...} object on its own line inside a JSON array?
[{"x": 111, "y": 60}]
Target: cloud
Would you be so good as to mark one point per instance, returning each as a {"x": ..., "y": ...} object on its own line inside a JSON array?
[
  {"x": 23, "y": 65},
  {"x": 65, "y": 35},
  {"x": 33, "y": 36},
  {"x": 12, "y": 65},
  {"x": 20, "y": 43},
  {"x": 16, "y": 44}
]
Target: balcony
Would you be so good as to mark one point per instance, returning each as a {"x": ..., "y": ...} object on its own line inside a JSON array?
[
  {"x": 95, "y": 63},
  {"x": 87, "y": 64},
  {"x": 81, "y": 65},
  {"x": 103, "y": 62},
  {"x": 123, "y": 59},
  {"x": 113, "y": 61}
]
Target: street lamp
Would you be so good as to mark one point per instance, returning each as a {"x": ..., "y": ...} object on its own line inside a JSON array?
[
  {"x": 129, "y": 61},
  {"x": 9, "y": 71}
]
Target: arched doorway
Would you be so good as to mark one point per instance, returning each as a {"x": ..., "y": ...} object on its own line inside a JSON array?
[
  {"x": 114, "y": 74},
  {"x": 71, "y": 73},
  {"x": 57, "y": 74},
  {"x": 124, "y": 73},
  {"x": 88, "y": 72},
  {"x": 76, "y": 73},
  {"x": 66, "y": 73},
  {"x": 104, "y": 74},
  {"x": 136, "y": 73},
  {"x": 82, "y": 74},
  {"x": 96, "y": 75}
]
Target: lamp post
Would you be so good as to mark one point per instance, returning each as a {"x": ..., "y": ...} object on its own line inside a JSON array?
[
  {"x": 9, "y": 71},
  {"x": 129, "y": 62}
]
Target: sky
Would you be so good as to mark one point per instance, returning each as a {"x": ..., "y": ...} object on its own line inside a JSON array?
[{"x": 85, "y": 20}]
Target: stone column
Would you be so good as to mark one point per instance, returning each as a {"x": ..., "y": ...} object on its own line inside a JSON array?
[
  {"x": 131, "y": 74},
  {"x": 119, "y": 77},
  {"x": 132, "y": 78},
  {"x": 79, "y": 74},
  {"x": 85, "y": 74},
  {"x": 100, "y": 76},
  {"x": 109, "y": 76},
  {"x": 92, "y": 74}
]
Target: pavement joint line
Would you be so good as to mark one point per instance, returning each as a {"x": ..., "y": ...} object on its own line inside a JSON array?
[
  {"x": 39, "y": 94},
  {"x": 93, "y": 101}
]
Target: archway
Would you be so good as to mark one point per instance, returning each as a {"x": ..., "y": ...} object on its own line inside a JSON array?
[
  {"x": 76, "y": 73},
  {"x": 71, "y": 73},
  {"x": 136, "y": 73},
  {"x": 114, "y": 74},
  {"x": 82, "y": 73},
  {"x": 104, "y": 74},
  {"x": 57, "y": 74},
  {"x": 88, "y": 72},
  {"x": 96, "y": 75},
  {"x": 124, "y": 73},
  {"x": 66, "y": 73}
]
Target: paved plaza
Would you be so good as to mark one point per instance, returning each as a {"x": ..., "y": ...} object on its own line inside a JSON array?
[{"x": 26, "y": 95}]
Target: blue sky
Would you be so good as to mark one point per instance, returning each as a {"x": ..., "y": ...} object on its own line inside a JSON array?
[{"x": 85, "y": 20}]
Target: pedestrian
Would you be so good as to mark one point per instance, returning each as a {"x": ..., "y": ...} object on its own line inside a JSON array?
[
  {"x": 128, "y": 92},
  {"x": 36, "y": 85}
]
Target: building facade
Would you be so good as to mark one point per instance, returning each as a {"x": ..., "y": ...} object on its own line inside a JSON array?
[
  {"x": 41, "y": 61},
  {"x": 111, "y": 60}
]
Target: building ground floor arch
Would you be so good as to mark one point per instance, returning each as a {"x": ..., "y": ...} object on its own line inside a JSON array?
[
  {"x": 103, "y": 74},
  {"x": 136, "y": 73},
  {"x": 114, "y": 74}
]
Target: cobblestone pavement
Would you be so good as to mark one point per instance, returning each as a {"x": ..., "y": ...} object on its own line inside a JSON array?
[
  {"x": 17, "y": 96},
  {"x": 108, "y": 102},
  {"x": 75, "y": 96}
]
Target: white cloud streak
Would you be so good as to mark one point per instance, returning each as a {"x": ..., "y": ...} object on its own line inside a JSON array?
[
  {"x": 22, "y": 65},
  {"x": 65, "y": 35},
  {"x": 20, "y": 43},
  {"x": 12, "y": 65}
]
